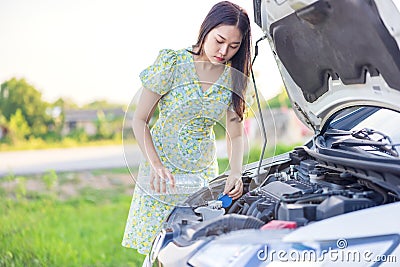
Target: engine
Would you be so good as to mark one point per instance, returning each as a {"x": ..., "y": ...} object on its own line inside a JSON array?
[
  {"x": 306, "y": 192},
  {"x": 297, "y": 189},
  {"x": 300, "y": 190}
]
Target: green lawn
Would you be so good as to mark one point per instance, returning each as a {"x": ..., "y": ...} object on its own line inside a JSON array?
[{"x": 83, "y": 231}]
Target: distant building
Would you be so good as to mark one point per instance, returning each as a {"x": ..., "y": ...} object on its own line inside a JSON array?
[{"x": 86, "y": 119}]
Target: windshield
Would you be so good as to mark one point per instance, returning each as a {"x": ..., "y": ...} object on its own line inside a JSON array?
[
  {"x": 384, "y": 120},
  {"x": 373, "y": 127}
]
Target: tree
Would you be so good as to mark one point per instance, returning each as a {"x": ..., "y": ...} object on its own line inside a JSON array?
[
  {"x": 103, "y": 127},
  {"x": 18, "y": 94},
  {"x": 102, "y": 104},
  {"x": 65, "y": 103},
  {"x": 18, "y": 127}
]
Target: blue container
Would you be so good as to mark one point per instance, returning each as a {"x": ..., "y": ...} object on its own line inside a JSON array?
[{"x": 226, "y": 200}]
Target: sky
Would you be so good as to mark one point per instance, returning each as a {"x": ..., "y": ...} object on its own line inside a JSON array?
[{"x": 88, "y": 50}]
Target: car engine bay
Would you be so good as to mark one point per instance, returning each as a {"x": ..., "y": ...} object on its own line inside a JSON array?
[{"x": 294, "y": 188}]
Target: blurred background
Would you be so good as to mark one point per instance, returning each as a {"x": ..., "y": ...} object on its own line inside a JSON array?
[{"x": 68, "y": 72}]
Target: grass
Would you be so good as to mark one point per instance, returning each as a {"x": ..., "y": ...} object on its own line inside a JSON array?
[
  {"x": 45, "y": 232},
  {"x": 38, "y": 229}
]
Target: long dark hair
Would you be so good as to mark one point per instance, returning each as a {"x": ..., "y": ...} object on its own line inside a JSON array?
[{"x": 227, "y": 13}]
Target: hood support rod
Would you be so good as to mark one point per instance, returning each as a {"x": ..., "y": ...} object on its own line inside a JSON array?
[{"x": 264, "y": 132}]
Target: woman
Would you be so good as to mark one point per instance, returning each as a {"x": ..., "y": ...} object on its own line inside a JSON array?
[{"x": 193, "y": 89}]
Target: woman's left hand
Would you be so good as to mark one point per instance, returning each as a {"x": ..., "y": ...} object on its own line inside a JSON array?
[{"x": 234, "y": 186}]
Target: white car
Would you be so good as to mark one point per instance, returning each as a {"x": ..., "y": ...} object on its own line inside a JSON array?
[{"x": 335, "y": 200}]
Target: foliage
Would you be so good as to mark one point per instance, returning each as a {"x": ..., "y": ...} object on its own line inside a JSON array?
[
  {"x": 102, "y": 104},
  {"x": 65, "y": 103},
  {"x": 51, "y": 136},
  {"x": 79, "y": 135},
  {"x": 25, "y": 116},
  {"x": 280, "y": 100},
  {"x": 18, "y": 127},
  {"x": 18, "y": 94},
  {"x": 20, "y": 190},
  {"x": 103, "y": 127},
  {"x": 50, "y": 178},
  {"x": 3, "y": 120}
]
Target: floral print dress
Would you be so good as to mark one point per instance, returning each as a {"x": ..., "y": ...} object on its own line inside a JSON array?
[{"x": 183, "y": 137}]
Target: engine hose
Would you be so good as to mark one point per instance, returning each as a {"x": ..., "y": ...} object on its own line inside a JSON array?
[
  {"x": 254, "y": 206},
  {"x": 255, "y": 211},
  {"x": 237, "y": 206},
  {"x": 246, "y": 207}
]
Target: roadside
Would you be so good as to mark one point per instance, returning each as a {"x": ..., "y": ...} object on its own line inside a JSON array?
[
  {"x": 75, "y": 159},
  {"x": 61, "y": 160}
]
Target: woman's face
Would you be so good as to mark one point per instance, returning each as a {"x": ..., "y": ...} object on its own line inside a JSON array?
[{"x": 221, "y": 44}]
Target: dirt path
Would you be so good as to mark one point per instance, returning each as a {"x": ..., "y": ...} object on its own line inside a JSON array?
[{"x": 67, "y": 185}]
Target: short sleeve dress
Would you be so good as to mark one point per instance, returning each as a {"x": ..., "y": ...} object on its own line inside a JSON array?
[{"x": 182, "y": 135}]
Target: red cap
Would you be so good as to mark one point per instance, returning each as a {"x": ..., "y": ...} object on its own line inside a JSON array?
[{"x": 277, "y": 224}]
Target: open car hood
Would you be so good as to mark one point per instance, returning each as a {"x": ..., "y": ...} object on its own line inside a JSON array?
[{"x": 325, "y": 64}]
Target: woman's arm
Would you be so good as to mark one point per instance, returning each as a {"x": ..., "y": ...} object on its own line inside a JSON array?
[
  {"x": 234, "y": 139},
  {"x": 148, "y": 101}
]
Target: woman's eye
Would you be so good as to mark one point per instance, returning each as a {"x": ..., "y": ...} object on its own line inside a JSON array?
[
  {"x": 220, "y": 42},
  {"x": 234, "y": 47}
]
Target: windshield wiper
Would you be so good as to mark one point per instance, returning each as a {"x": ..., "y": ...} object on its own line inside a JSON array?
[{"x": 364, "y": 138}]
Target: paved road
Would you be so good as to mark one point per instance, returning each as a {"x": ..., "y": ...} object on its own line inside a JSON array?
[{"x": 72, "y": 159}]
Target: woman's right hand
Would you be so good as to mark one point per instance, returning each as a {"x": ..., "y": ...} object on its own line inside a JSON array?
[{"x": 159, "y": 175}]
